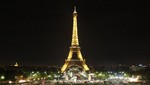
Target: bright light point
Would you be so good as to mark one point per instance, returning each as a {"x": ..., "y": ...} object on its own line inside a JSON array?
[
  {"x": 99, "y": 74},
  {"x": 133, "y": 79},
  {"x": 22, "y": 81},
  {"x": 2, "y": 77},
  {"x": 10, "y": 82}
]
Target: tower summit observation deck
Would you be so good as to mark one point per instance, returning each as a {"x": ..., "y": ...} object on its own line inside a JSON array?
[{"x": 74, "y": 49}]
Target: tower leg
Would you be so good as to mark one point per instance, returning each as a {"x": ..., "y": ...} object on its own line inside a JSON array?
[
  {"x": 83, "y": 61},
  {"x": 66, "y": 62}
]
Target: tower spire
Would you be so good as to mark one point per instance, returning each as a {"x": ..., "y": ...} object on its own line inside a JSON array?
[
  {"x": 75, "y": 11},
  {"x": 75, "y": 40}
]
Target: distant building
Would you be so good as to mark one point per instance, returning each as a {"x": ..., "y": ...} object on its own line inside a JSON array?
[
  {"x": 137, "y": 67},
  {"x": 16, "y": 64}
]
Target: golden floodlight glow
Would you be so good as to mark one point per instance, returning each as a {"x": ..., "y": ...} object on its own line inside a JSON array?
[{"x": 74, "y": 48}]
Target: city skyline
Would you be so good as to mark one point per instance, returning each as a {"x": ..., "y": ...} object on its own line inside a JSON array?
[{"x": 39, "y": 33}]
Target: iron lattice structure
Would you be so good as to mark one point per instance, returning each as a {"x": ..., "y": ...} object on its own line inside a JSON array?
[{"x": 74, "y": 49}]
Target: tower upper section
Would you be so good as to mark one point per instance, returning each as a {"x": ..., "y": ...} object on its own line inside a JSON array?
[{"x": 75, "y": 41}]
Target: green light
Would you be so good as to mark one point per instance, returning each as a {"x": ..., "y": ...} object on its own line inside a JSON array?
[{"x": 2, "y": 77}]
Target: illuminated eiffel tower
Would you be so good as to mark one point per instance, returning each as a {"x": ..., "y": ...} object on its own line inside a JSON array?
[{"x": 74, "y": 49}]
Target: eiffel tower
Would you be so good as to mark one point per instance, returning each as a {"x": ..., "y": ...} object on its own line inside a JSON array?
[{"x": 74, "y": 49}]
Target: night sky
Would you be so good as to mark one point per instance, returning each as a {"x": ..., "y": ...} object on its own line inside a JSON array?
[{"x": 39, "y": 32}]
